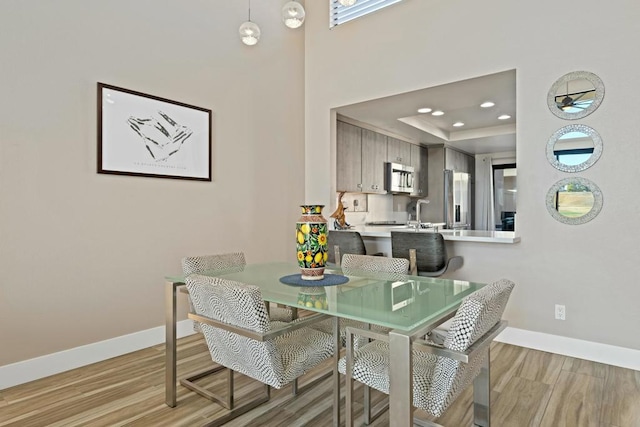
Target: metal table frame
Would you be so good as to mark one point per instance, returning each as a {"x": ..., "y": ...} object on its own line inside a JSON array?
[{"x": 400, "y": 372}]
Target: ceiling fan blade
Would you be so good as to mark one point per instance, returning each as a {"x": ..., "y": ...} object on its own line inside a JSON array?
[{"x": 579, "y": 96}]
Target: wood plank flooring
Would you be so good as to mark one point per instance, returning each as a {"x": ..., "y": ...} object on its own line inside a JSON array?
[{"x": 529, "y": 388}]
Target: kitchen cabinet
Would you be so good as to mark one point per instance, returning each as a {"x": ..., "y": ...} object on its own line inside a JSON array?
[
  {"x": 459, "y": 162},
  {"x": 398, "y": 151},
  {"x": 349, "y": 157},
  {"x": 374, "y": 156},
  {"x": 419, "y": 161}
]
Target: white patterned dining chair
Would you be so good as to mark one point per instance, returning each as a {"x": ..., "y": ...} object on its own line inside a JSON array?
[
  {"x": 224, "y": 261},
  {"x": 241, "y": 337},
  {"x": 389, "y": 268},
  {"x": 440, "y": 373},
  {"x": 386, "y": 269}
]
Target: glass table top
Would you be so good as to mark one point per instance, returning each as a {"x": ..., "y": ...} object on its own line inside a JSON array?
[{"x": 396, "y": 301}]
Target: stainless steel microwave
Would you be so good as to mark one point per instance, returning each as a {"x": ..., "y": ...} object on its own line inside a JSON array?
[{"x": 399, "y": 178}]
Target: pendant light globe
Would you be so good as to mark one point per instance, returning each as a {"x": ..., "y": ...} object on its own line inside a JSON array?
[
  {"x": 293, "y": 14},
  {"x": 249, "y": 33}
]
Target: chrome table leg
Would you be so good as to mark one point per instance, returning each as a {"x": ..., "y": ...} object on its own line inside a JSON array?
[
  {"x": 400, "y": 379},
  {"x": 170, "y": 342},
  {"x": 482, "y": 396}
]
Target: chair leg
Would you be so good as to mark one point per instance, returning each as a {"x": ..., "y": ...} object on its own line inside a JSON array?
[
  {"x": 482, "y": 395},
  {"x": 367, "y": 404},
  {"x": 374, "y": 416},
  {"x": 349, "y": 381},
  {"x": 226, "y": 401},
  {"x": 240, "y": 410},
  {"x": 296, "y": 389},
  {"x": 189, "y": 383}
]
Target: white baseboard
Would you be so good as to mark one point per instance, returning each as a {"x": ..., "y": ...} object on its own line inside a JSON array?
[
  {"x": 587, "y": 350},
  {"x": 44, "y": 366}
]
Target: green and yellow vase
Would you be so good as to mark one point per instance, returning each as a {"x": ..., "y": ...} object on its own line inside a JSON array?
[
  {"x": 313, "y": 296},
  {"x": 311, "y": 242}
]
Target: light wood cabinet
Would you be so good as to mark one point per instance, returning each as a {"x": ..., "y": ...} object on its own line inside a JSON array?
[
  {"x": 398, "y": 151},
  {"x": 419, "y": 162},
  {"x": 459, "y": 162},
  {"x": 349, "y": 157},
  {"x": 374, "y": 156}
]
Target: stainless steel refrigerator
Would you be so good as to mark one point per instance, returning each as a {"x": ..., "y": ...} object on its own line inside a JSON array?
[
  {"x": 450, "y": 200},
  {"x": 457, "y": 199}
]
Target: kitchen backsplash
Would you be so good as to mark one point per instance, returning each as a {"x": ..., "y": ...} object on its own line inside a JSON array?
[{"x": 362, "y": 208}]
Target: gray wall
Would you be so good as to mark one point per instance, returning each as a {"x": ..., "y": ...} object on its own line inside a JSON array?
[
  {"x": 83, "y": 256},
  {"x": 590, "y": 268}
]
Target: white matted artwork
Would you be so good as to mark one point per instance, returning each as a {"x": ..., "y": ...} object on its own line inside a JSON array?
[{"x": 145, "y": 135}]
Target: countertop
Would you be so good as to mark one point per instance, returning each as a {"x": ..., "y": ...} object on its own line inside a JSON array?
[{"x": 481, "y": 236}]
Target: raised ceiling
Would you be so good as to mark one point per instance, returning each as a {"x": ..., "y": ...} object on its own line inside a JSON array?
[{"x": 482, "y": 132}]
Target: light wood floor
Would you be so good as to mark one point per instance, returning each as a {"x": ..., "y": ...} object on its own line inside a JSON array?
[{"x": 530, "y": 388}]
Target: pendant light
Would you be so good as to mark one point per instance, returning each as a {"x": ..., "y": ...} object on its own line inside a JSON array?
[
  {"x": 347, "y": 2},
  {"x": 249, "y": 31},
  {"x": 293, "y": 14}
]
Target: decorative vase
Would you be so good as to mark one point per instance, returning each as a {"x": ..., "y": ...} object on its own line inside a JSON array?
[
  {"x": 311, "y": 242},
  {"x": 313, "y": 296}
]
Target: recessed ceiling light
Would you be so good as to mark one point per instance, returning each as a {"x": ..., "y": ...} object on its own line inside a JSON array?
[
  {"x": 487, "y": 104},
  {"x": 437, "y": 113},
  {"x": 504, "y": 117},
  {"x": 424, "y": 110},
  {"x": 458, "y": 124}
]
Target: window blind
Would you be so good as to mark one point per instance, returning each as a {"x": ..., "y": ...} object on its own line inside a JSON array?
[{"x": 339, "y": 14}]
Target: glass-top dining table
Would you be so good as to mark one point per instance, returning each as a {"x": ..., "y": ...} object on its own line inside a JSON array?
[{"x": 409, "y": 305}]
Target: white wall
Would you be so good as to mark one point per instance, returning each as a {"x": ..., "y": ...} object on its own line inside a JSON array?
[
  {"x": 415, "y": 44},
  {"x": 83, "y": 256}
]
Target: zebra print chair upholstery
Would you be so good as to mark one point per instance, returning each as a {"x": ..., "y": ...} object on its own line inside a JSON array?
[
  {"x": 203, "y": 263},
  {"x": 394, "y": 268},
  {"x": 200, "y": 264},
  {"x": 377, "y": 264},
  {"x": 438, "y": 378},
  {"x": 385, "y": 268},
  {"x": 241, "y": 337}
]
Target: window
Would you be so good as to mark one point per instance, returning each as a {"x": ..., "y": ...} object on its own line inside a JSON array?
[
  {"x": 504, "y": 193},
  {"x": 573, "y": 157},
  {"x": 339, "y": 14}
]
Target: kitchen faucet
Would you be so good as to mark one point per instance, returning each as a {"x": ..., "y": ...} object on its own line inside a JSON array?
[{"x": 418, "y": 203}]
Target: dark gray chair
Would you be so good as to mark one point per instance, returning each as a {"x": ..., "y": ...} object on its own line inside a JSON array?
[
  {"x": 348, "y": 242},
  {"x": 430, "y": 257}
]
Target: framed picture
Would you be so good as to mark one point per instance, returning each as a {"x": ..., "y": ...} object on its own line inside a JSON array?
[{"x": 145, "y": 135}]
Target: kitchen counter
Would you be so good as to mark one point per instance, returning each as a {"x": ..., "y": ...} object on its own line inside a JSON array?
[{"x": 482, "y": 236}]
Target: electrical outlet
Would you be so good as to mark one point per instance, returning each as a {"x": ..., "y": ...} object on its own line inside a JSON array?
[{"x": 561, "y": 312}]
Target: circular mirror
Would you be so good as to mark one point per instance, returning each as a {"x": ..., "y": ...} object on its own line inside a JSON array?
[
  {"x": 574, "y": 148},
  {"x": 574, "y": 201},
  {"x": 575, "y": 95}
]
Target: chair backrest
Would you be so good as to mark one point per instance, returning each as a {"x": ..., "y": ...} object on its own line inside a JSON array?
[
  {"x": 431, "y": 252},
  {"x": 241, "y": 305},
  {"x": 350, "y": 242},
  {"x": 200, "y": 264},
  {"x": 374, "y": 264},
  {"x": 477, "y": 314}
]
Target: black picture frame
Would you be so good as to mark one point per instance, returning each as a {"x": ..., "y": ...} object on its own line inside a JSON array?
[{"x": 146, "y": 135}]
